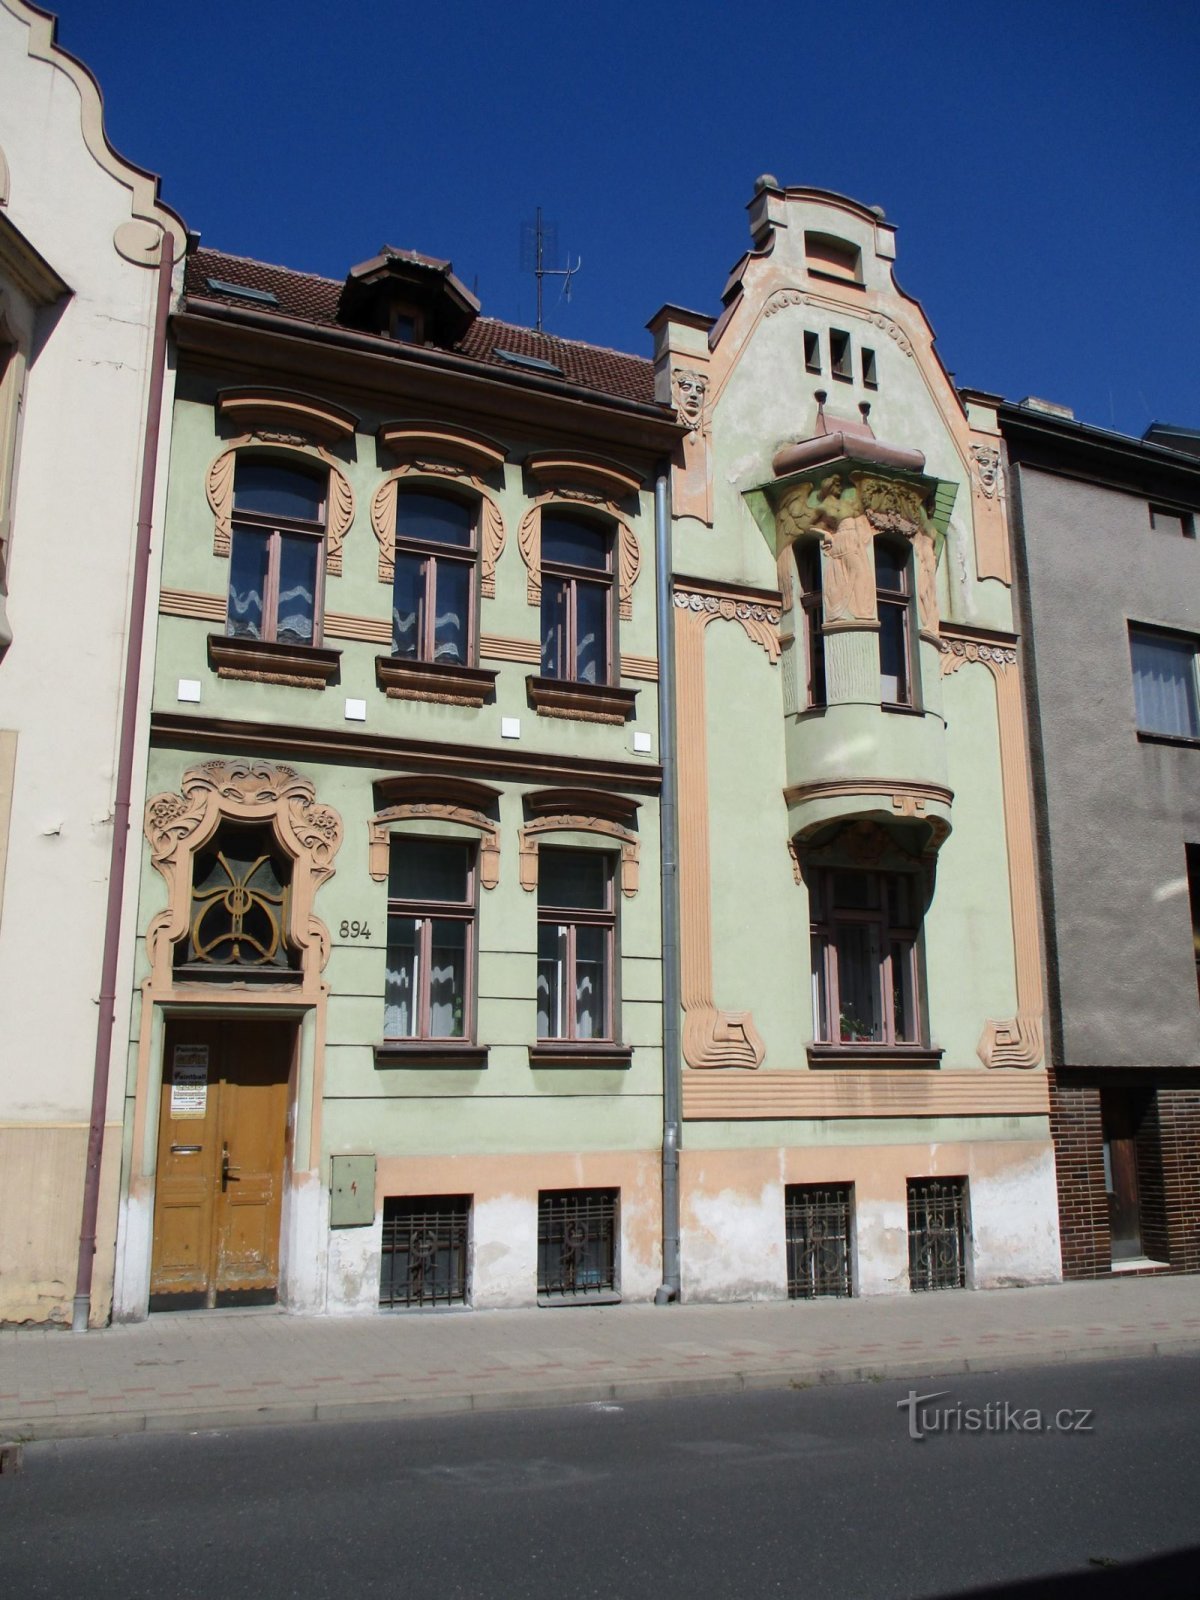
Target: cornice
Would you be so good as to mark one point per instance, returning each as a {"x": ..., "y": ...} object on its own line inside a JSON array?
[
  {"x": 181, "y": 731},
  {"x": 279, "y": 348}
]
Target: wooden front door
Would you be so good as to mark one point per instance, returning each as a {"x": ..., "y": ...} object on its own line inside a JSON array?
[{"x": 221, "y": 1151}]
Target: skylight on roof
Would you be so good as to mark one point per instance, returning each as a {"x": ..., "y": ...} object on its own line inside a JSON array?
[
  {"x": 263, "y": 297},
  {"x": 534, "y": 363}
]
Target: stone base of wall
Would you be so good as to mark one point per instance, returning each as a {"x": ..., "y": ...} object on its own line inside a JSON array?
[{"x": 1168, "y": 1161}]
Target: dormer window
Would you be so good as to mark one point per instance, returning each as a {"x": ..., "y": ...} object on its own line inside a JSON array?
[
  {"x": 407, "y": 325},
  {"x": 411, "y": 298}
]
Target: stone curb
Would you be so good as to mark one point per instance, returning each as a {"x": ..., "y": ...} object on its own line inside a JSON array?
[{"x": 114, "y": 1424}]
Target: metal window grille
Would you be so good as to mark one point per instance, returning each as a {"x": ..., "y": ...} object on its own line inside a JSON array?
[
  {"x": 818, "y": 1241},
  {"x": 425, "y": 1251},
  {"x": 577, "y": 1242},
  {"x": 937, "y": 1256}
]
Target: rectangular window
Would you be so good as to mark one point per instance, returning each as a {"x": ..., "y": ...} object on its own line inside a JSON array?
[
  {"x": 818, "y": 1230},
  {"x": 576, "y": 599},
  {"x": 576, "y": 940},
  {"x": 430, "y": 940},
  {"x": 937, "y": 1229},
  {"x": 870, "y": 370},
  {"x": 1193, "y": 877},
  {"x": 276, "y": 553},
  {"x": 425, "y": 1250},
  {"x": 812, "y": 351},
  {"x": 808, "y": 565},
  {"x": 1178, "y": 523},
  {"x": 577, "y": 1252},
  {"x": 433, "y": 585},
  {"x": 1164, "y": 683},
  {"x": 841, "y": 361},
  {"x": 865, "y": 952},
  {"x": 893, "y": 594}
]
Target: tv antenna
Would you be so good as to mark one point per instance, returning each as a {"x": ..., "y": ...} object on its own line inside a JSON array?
[{"x": 539, "y": 244}]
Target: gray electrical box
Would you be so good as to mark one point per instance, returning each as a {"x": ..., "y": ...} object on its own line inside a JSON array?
[{"x": 351, "y": 1191}]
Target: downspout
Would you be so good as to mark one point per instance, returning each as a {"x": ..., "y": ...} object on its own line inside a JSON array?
[
  {"x": 670, "y": 1288},
  {"x": 116, "y": 867}
]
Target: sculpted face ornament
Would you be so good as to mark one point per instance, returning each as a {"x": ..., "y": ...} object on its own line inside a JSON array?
[
  {"x": 987, "y": 468},
  {"x": 691, "y": 387}
]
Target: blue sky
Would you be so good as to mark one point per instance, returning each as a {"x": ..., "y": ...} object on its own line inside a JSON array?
[{"x": 1039, "y": 159}]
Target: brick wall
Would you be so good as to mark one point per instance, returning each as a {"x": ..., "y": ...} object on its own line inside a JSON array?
[{"x": 1082, "y": 1202}]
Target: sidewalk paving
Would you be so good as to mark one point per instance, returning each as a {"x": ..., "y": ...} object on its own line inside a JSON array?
[{"x": 222, "y": 1369}]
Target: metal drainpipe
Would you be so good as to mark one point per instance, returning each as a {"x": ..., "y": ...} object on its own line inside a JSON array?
[
  {"x": 82, "y": 1304},
  {"x": 670, "y": 1288}
]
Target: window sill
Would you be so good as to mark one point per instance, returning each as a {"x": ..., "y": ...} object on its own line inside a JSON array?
[
  {"x": 893, "y": 708},
  {"x": 873, "y": 1055},
  {"x": 585, "y": 1297},
  {"x": 1183, "y": 740},
  {"x": 581, "y": 1053},
  {"x": 203, "y": 972},
  {"x": 431, "y": 1053},
  {"x": 581, "y": 702},
  {"x": 451, "y": 685},
  {"x": 301, "y": 666}
]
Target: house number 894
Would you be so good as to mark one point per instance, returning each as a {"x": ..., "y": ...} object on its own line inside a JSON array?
[{"x": 354, "y": 930}]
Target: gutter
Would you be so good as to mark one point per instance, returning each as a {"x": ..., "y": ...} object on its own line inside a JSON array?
[
  {"x": 81, "y": 1308},
  {"x": 670, "y": 1290}
]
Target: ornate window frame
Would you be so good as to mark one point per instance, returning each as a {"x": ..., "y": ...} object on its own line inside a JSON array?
[
  {"x": 584, "y": 484},
  {"x": 433, "y": 798},
  {"x": 283, "y": 423},
  {"x": 178, "y": 824},
  {"x": 608, "y": 816}
]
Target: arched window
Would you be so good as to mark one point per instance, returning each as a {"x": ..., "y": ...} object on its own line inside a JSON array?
[
  {"x": 808, "y": 566},
  {"x": 239, "y": 914},
  {"x": 893, "y": 594},
  {"x": 277, "y": 551},
  {"x": 433, "y": 587},
  {"x": 577, "y": 583}
]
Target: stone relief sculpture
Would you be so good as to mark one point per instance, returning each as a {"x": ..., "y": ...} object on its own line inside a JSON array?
[
  {"x": 834, "y": 510},
  {"x": 690, "y": 389},
  {"x": 691, "y": 483}
]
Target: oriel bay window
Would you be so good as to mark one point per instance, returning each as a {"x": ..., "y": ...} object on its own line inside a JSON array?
[
  {"x": 865, "y": 953},
  {"x": 577, "y": 584},
  {"x": 576, "y": 939},
  {"x": 276, "y": 553},
  {"x": 432, "y": 591},
  {"x": 430, "y": 939},
  {"x": 893, "y": 594}
]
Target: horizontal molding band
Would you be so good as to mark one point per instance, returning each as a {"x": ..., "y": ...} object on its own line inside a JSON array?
[
  {"x": 496, "y": 647},
  {"x": 191, "y": 603},
  {"x": 735, "y": 1094}
]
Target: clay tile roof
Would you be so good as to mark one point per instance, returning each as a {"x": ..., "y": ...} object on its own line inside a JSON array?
[{"x": 310, "y": 299}]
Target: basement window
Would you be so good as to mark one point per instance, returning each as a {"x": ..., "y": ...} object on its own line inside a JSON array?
[
  {"x": 937, "y": 1233},
  {"x": 577, "y": 1249},
  {"x": 424, "y": 1250},
  {"x": 818, "y": 1228}
]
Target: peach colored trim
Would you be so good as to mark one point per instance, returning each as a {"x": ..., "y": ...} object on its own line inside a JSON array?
[
  {"x": 368, "y": 630},
  {"x": 578, "y": 822},
  {"x": 709, "y": 600},
  {"x": 628, "y": 551},
  {"x": 179, "y": 824},
  {"x": 645, "y": 667},
  {"x": 497, "y": 647},
  {"x": 472, "y": 453},
  {"x": 989, "y": 503},
  {"x": 1016, "y": 1041},
  {"x": 491, "y": 523},
  {"x": 908, "y": 799},
  {"x": 608, "y": 478},
  {"x": 257, "y": 409},
  {"x": 192, "y": 603},
  {"x": 711, "y": 1038},
  {"x": 379, "y": 835},
  {"x": 219, "y": 487},
  {"x": 871, "y": 1092}
]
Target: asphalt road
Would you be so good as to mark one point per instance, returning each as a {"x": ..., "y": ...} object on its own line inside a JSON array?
[{"x": 806, "y": 1493}]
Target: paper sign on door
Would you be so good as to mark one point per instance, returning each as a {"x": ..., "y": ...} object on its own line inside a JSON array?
[{"x": 189, "y": 1081}]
